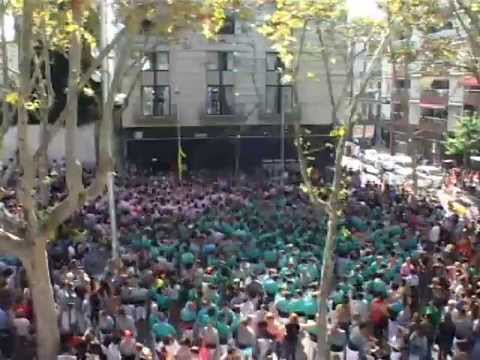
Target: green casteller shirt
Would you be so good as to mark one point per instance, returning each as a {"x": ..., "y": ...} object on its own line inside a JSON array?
[
  {"x": 282, "y": 304},
  {"x": 188, "y": 258},
  {"x": 163, "y": 329},
  {"x": 271, "y": 287},
  {"x": 224, "y": 331}
]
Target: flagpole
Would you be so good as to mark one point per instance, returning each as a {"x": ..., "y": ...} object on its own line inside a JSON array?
[
  {"x": 179, "y": 141},
  {"x": 179, "y": 152}
]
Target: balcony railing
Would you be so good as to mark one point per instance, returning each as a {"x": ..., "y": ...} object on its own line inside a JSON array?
[
  {"x": 291, "y": 115},
  {"x": 433, "y": 118},
  {"x": 472, "y": 98},
  {"x": 435, "y": 96},
  {"x": 237, "y": 114},
  {"x": 141, "y": 120},
  {"x": 434, "y": 124}
]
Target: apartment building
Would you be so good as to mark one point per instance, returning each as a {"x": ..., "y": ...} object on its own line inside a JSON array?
[
  {"x": 223, "y": 102},
  {"x": 436, "y": 101},
  {"x": 366, "y": 130}
]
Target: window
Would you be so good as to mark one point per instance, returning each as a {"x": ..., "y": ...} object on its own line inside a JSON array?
[
  {"x": 157, "y": 61},
  {"x": 220, "y": 61},
  {"x": 274, "y": 63},
  {"x": 402, "y": 84},
  {"x": 228, "y": 27},
  {"x": 364, "y": 109},
  {"x": 440, "y": 84},
  {"x": 220, "y": 100},
  {"x": 155, "y": 91},
  {"x": 156, "y": 100},
  {"x": 279, "y": 98}
]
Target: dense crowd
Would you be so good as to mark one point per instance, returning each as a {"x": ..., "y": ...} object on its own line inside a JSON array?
[{"x": 216, "y": 270}]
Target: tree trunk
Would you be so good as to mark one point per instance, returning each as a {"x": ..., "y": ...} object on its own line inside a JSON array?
[
  {"x": 97, "y": 140},
  {"x": 329, "y": 256},
  {"x": 237, "y": 160},
  {"x": 117, "y": 142},
  {"x": 413, "y": 153},
  {"x": 44, "y": 187},
  {"x": 466, "y": 159},
  {"x": 325, "y": 284},
  {"x": 36, "y": 265}
]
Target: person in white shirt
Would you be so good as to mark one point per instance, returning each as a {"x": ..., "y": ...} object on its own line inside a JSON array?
[
  {"x": 113, "y": 350},
  {"x": 434, "y": 235},
  {"x": 247, "y": 308},
  {"x": 359, "y": 306},
  {"x": 22, "y": 325}
]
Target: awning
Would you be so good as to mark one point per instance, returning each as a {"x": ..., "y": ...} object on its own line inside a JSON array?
[
  {"x": 470, "y": 81},
  {"x": 433, "y": 106}
]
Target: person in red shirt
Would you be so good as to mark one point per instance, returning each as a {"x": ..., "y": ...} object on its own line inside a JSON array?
[
  {"x": 379, "y": 316},
  {"x": 464, "y": 247}
]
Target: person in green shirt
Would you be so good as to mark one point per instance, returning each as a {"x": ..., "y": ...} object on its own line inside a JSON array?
[
  {"x": 270, "y": 286},
  {"x": 224, "y": 330},
  {"x": 188, "y": 314},
  {"x": 162, "y": 328},
  {"x": 282, "y": 303},
  {"x": 187, "y": 259},
  {"x": 434, "y": 314}
]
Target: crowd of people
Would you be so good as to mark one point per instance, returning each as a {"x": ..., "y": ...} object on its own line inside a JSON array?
[{"x": 210, "y": 269}]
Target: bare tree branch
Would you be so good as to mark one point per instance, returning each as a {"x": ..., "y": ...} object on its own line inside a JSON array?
[
  {"x": 326, "y": 64},
  {"x": 65, "y": 209},
  {"x": 84, "y": 79},
  {"x": 12, "y": 244}
]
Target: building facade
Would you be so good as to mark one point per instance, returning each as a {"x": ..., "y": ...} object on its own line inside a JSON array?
[
  {"x": 436, "y": 100},
  {"x": 223, "y": 101}
]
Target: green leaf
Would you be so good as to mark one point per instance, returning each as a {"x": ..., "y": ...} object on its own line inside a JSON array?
[{"x": 12, "y": 98}]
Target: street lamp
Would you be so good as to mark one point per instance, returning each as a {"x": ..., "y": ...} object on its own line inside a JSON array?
[{"x": 179, "y": 141}]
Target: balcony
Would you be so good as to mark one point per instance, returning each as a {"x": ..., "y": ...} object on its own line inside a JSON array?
[
  {"x": 398, "y": 117},
  {"x": 435, "y": 97},
  {"x": 472, "y": 98},
  {"x": 433, "y": 124},
  {"x": 141, "y": 120},
  {"x": 371, "y": 95},
  {"x": 274, "y": 117},
  {"x": 237, "y": 115}
]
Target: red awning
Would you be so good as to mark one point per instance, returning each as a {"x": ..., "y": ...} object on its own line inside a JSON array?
[
  {"x": 433, "y": 106},
  {"x": 470, "y": 81}
]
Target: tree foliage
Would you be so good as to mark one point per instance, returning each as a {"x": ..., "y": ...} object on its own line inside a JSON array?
[{"x": 465, "y": 141}]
